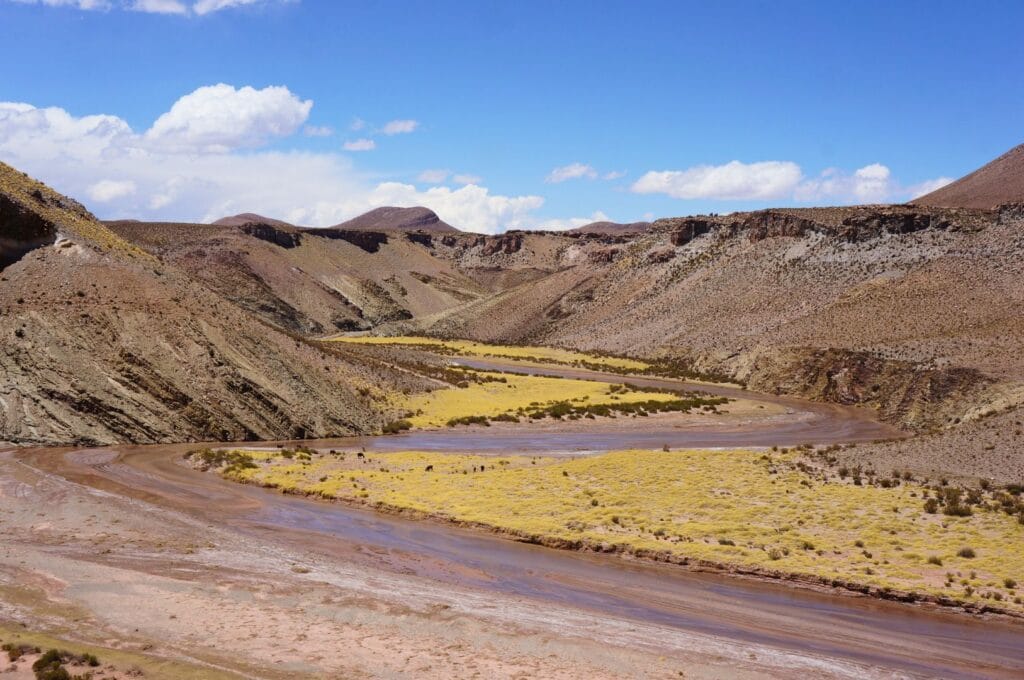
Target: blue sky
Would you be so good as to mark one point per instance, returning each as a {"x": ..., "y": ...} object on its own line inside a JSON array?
[{"x": 502, "y": 114}]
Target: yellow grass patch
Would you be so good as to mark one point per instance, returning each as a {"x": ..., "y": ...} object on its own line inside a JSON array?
[
  {"x": 435, "y": 409},
  {"x": 741, "y": 508},
  {"x": 468, "y": 348}
]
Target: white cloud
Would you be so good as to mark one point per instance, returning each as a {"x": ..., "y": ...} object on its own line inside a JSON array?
[
  {"x": 433, "y": 176},
  {"x": 159, "y": 6},
  {"x": 359, "y": 145},
  {"x": 107, "y": 190},
  {"x": 732, "y": 181},
  {"x": 202, "y": 7},
  {"x": 218, "y": 118},
  {"x": 783, "y": 181},
  {"x": 928, "y": 186},
  {"x": 399, "y": 127},
  {"x": 871, "y": 184},
  {"x": 198, "y": 7},
  {"x": 189, "y": 182},
  {"x": 571, "y": 171},
  {"x": 615, "y": 174},
  {"x": 467, "y": 179},
  {"x": 318, "y": 131}
]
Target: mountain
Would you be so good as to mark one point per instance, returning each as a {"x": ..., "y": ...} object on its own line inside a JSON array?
[
  {"x": 104, "y": 341},
  {"x": 249, "y": 218},
  {"x": 993, "y": 184},
  {"x": 398, "y": 219},
  {"x": 143, "y": 331}
]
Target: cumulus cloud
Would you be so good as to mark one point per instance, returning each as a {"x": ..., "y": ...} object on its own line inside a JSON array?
[
  {"x": 571, "y": 171},
  {"x": 198, "y": 170},
  {"x": 107, "y": 190},
  {"x": 218, "y": 118},
  {"x": 467, "y": 179},
  {"x": 871, "y": 184},
  {"x": 399, "y": 127},
  {"x": 732, "y": 181},
  {"x": 359, "y": 145},
  {"x": 781, "y": 181}
]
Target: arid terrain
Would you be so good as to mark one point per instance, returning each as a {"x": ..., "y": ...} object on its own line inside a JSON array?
[{"x": 681, "y": 448}]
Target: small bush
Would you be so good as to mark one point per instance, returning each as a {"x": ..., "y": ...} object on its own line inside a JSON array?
[
  {"x": 396, "y": 426},
  {"x": 934, "y": 559},
  {"x": 966, "y": 552}
]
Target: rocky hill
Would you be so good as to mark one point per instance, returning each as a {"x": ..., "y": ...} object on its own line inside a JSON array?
[
  {"x": 103, "y": 342},
  {"x": 996, "y": 183},
  {"x": 249, "y": 218},
  {"x": 398, "y": 219},
  {"x": 611, "y": 228}
]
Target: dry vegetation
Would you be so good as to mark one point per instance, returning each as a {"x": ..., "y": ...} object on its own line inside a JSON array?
[
  {"x": 784, "y": 513},
  {"x": 509, "y": 397},
  {"x": 521, "y": 354}
]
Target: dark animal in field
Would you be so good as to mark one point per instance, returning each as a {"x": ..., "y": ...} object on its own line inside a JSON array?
[{"x": 429, "y": 468}]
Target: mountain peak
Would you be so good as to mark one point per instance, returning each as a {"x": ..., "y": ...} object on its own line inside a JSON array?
[{"x": 400, "y": 219}]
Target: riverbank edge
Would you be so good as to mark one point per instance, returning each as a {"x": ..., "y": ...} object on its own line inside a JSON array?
[{"x": 793, "y": 579}]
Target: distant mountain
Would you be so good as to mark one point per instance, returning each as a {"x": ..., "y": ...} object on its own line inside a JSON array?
[
  {"x": 398, "y": 219},
  {"x": 247, "y": 218},
  {"x": 611, "y": 228},
  {"x": 1001, "y": 181}
]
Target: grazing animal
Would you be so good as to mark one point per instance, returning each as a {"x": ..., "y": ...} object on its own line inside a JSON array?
[
  {"x": 360, "y": 455},
  {"x": 429, "y": 468}
]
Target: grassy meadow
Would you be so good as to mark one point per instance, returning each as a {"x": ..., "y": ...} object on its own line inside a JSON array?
[{"x": 748, "y": 509}]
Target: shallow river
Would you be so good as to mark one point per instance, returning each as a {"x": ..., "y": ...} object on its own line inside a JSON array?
[{"x": 886, "y": 636}]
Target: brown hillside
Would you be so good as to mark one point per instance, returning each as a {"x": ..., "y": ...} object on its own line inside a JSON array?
[
  {"x": 399, "y": 219},
  {"x": 102, "y": 343},
  {"x": 246, "y": 218},
  {"x": 993, "y": 184}
]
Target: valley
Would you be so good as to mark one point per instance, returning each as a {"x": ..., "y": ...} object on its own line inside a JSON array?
[{"x": 391, "y": 447}]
